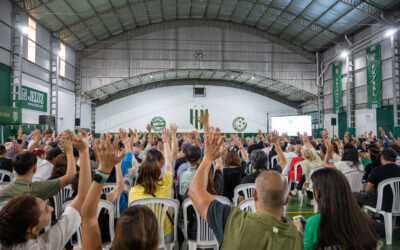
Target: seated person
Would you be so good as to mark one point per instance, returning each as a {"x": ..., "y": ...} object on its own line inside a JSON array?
[
  {"x": 237, "y": 229},
  {"x": 5, "y": 163},
  {"x": 24, "y": 165}
]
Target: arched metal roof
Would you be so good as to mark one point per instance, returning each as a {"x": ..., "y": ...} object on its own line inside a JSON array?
[
  {"x": 270, "y": 88},
  {"x": 309, "y": 24}
]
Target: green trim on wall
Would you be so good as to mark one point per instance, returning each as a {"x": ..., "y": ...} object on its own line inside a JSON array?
[
  {"x": 384, "y": 119},
  {"x": 5, "y": 85}
]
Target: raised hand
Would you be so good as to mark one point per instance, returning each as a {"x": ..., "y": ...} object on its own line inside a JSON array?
[
  {"x": 66, "y": 142},
  {"x": 19, "y": 133},
  {"x": 107, "y": 152},
  {"x": 214, "y": 145},
  {"x": 173, "y": 128},
  {"x": 204, "y": 121},
  {"x": 36, "y": 135},
  {"x": 148, "y": 128},
  {"x": 274, "y": 137},
  {"x": 79, "y": 141}
]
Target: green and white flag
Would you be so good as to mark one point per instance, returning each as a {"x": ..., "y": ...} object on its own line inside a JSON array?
[
  {"x": 195, "y": 116},
  {"x": 374, "y": 76},
  {"x": 337, "y": 87}
]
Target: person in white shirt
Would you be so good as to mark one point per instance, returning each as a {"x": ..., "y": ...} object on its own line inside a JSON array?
[
  {"x": 45, "y": 166},
  {"x": 23, "y": 217},
  {"x": 289, "y": 156}
]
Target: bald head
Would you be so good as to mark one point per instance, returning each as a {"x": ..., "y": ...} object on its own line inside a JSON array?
[{"x": 272, "y": 189}]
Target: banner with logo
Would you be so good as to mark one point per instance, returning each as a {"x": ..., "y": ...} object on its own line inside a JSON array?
[
  {"x": 195, "y": 116},
  {"x": 157, "y": 123},
  {"x": 33, "y": 99},
  {"x": 10, "y": 116},
  {"x": 239, "y": 124},
  {"x": 337, "y": 87},
  {"x": 374, "y": 76}
]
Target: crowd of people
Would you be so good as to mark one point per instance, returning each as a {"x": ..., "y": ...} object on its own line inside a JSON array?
[{"x": 340, "y": 175}]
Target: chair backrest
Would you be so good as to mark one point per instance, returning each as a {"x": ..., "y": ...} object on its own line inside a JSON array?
[
  {"x": 109, "y": 207},
  {"x": 394, "y": 184},
  {"x": 160, "y": 206},
  {"x": 310, "y": 187},
  {"x": 273, "y": 159},
  {"x": 248, "y": 205},
  {"x": 247, "y": 190},
  {"x": 298, "y": 164},
  {"x": 128, "y": 181},
  {"x": 62, "y": 195},
  {"x": 205, "y": 236},
  {"x": 5, "y": 173},
  {"x": 3, "y": 185},
  {"x": 108, "y": 187},
  {"x": 355, "y": 180}
]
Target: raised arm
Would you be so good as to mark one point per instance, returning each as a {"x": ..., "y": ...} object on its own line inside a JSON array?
[
  {"x": 66, "y": 142},
  {"x": 174, "y": 145},
  {"x": 149, "y": 136},
  {"x": 108, "y": 156},
  {"x": 114, "y": 195},
  {"x": 85, "y": 175},
  {"x": 239, "y": 144},
  {"x": 214, "y": 147},
  {"x": 278, "y": 149},
  {"x": 167, "y": 150},
  {"x": 36, "y": 138},
  {"x": 329, "y": 151},
  {"x": 306, "y": 141}
]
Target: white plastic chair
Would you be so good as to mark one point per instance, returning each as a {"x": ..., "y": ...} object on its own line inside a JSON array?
[
  {"x": 3, "y": 185},
  {"x": 109, "y": 207},
  {"x": 108, "y": 187},
  {"x": 298, "y": 164},
  {"x": 60, "y": 198},
  {"x": 128, "y": 181},
  {"x": 310, "y": 188},
  {"x": 4, "y": 173},
  {"x": 248, "y": 205},
  {"x": 160, "y": 206},
  {"x": 247, "y": 190},
  {"x": 205, "y": 237},
  {"x": 273, "y": 159},
  {"x": 355, "y": 180},
  {"x": 394, "y": 184}
]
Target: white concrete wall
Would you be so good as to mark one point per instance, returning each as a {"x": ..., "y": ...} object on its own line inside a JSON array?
[
  {"x": 86, "y": 118},
  {"x": 174, "y": 103},
  {"x": 172, "y": 49}
]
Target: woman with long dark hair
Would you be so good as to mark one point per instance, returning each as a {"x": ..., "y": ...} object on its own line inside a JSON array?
[
  {"x": 341, "y": 224},
  {"x": 349, "y": 165}
]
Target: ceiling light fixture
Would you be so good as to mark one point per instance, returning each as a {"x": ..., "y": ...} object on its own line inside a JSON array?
[
  {"x": 344, "y": 54},
  {"x": 390, "y": 32}
]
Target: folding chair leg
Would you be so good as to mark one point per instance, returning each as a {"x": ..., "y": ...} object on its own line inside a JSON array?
[
  {"x": 388, "y": 228},
  {"x": 300, "y": 193},
  {"x": 192, "y": 245}
]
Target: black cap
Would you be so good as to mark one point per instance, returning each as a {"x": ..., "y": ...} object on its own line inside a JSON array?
[{"x": 389, "y": 154}]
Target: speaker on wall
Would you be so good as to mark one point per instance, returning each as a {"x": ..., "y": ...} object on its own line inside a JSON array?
[
  {"x": 333, "y": 121},
  {"x": 77, "y": 122},
  {"x": 47, "y": 119}
]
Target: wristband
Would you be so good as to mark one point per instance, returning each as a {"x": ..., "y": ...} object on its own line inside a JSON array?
[{"x": 100, "y": 177}]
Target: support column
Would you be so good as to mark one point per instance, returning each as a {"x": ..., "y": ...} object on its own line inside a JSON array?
[
  {"x": 395, "y": 81},
  {"x": 351, "y": 118},
  {"x": 54, "y": 71},
  {"x": 16, "y": 58},
  {"x": 93, "y": 120},
  {"x": 78, "y": 88}
]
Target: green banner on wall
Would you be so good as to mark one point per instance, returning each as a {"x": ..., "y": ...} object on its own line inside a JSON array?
[
  {"x": 374, "y": 76},
  {"x": 10, "y": 115},
  {"x": 33, "y": 99},
  {"x": 337, "y": 87}
]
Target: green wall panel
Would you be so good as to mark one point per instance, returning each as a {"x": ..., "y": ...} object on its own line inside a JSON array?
[
  {"x": 5, "y": 85},
  {"x": 384, "y": 119},
  {"x": 342, "y": 124}
]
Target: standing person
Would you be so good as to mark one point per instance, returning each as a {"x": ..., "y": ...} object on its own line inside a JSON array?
[
  {"x": 236, "y": 229},
  {"x": 25, "y": 216},
  {"x": 341, "y": 224}
]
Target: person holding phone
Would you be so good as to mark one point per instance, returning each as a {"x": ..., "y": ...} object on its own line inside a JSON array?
[{"x": 341, "y": 224}]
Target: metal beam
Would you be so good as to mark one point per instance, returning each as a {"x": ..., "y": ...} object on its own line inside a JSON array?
[
  {"x": 61, "y": 21},
  {"x": 329, "y": 25},
  {"x": 116, "y": 14},
  {"x": 300, "y": 14},
  {"x": 131, "y": 12},
  {"x": 83, "y": 21},
  {"x": 29, "y": 5},
  {"x": 283, "y": 11},
  {"x": 101, "y": 18},
  {"x": 363, "y": 6},
  {"x": 313, "y": 22},
  {"x": 181, "y": 82},
  {"x": 233, "y": 10},
  {"x": 194, "y": 23}
]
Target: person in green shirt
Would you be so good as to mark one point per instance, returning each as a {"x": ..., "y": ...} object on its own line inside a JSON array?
[
  {"x": 341, "y": 223},
  {"x": 237, "y": 229},
  {"x": 24, "y": 165}
]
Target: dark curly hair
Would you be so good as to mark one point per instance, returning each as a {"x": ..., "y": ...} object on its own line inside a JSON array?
[{"x": 19, "y": 214}]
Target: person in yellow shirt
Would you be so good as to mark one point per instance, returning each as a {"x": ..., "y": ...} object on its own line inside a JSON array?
[{"x": 150, "y": 185}]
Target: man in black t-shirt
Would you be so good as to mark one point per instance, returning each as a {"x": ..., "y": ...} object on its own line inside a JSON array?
[
  {"x": 378, "y": 174},
  {"x": 5, "y": 163}
]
